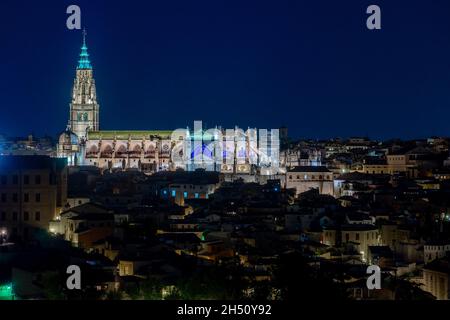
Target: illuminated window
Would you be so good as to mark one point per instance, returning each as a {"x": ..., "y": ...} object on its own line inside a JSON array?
[
  {"x": 174, "y": 193},
  {"x": 185, "y": 194},
  {"x": 197, "y": 196}
]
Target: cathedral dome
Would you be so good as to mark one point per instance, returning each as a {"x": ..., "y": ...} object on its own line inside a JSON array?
[{"x": 68, "y": 137}]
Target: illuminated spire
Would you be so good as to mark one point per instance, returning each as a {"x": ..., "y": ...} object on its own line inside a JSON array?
[{"x": 84, "y": 62}]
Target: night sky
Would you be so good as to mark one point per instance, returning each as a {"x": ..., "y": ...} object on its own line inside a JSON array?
[{"x": 310, "y": 65}]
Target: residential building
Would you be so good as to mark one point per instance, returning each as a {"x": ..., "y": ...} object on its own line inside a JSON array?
[
  {"x": 436, "y": 277},
  {"x": 305, "y": 178},
  {"x": 33, "y": 191}
]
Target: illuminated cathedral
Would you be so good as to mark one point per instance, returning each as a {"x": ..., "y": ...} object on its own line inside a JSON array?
[{"x": 83, "y": 143}]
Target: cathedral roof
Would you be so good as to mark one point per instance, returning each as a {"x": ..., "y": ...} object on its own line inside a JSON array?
[{"x": 126, "y": 134}]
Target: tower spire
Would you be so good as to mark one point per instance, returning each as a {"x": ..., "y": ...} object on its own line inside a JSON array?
[
  {"x": 84, "y": 37},
  {"x": 84, "y": 109},
  {"x": 84, "y": 62}
]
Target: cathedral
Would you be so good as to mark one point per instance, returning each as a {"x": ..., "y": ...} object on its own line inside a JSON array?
[{"x": 83, "y": 143}]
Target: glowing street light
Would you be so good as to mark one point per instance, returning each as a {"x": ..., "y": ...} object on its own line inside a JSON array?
[{"x": 6, "y": 292}]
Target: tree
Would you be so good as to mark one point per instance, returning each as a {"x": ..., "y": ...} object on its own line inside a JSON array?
[
  {"x": 51, "y": 283},
  {"x": 151, "y": 289},
  {"x": 296, "y": 279},
  {"x": 405, "y": 290},
  {"x": 215, "y": 283}
]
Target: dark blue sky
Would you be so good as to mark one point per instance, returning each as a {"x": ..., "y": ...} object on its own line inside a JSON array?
[{"x": 310, "y": 65}]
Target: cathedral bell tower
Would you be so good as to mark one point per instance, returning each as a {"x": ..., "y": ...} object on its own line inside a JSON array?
[{"x": 84, "y": 109}]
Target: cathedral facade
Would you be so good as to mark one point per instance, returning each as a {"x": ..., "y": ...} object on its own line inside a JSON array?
[{"x": 83, "y": 143}]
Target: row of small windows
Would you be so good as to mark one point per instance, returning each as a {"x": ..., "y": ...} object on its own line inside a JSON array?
[
  {"x": 357, "y": 236},
  {"x": 15, "y": 197},
  {"x": 397, "y": 158},
  {"x": 190, "y": 187},
  {"x": 183, "y": 226},
  {"x": 305, "y": 177},
  {"x": 185, "y": 195},
  {"x": 173, "y": 193},
  {"x": 437, "y": 248},
  {"x": 15, "y": 179},
  {"x": 15, "y": 216}
]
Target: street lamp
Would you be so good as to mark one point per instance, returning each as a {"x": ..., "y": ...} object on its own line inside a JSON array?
[{"x": 3, "y": 234}]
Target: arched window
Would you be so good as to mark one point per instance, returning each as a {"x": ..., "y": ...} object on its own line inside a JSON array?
[
  {"x": 92, "y": 151},
  {"x": 85, "y": 116},
  {"x": 150, "y": 151},
  {"x": 107, "y": 152},
  {"x": 136, "y": 151},
  {"x": 121, "y": 151}
]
